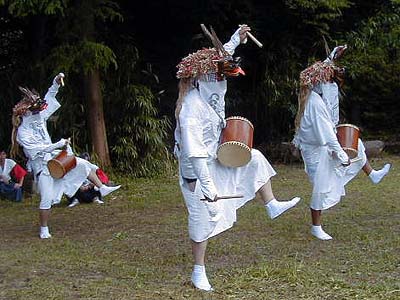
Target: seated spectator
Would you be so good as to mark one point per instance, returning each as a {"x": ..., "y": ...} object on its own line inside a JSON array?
[
  {"x": 88, "y": 192},
  {"x": 11, "y": 178}
]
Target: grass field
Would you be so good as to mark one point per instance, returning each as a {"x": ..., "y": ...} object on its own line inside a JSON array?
[{"x": 136, "y": 246}]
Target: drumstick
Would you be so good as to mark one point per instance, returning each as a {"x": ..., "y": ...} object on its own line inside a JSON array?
[
  {"x": 253, "y": 38},
  {"x": 223, "y": 197},
  {"x": 67, "y": 142},
  {"x": 353, "y": 160},
  {"x": 62, "y": 81}
]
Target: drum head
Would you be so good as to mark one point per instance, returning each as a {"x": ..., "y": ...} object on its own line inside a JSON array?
[
  {"x": 233, "y": 154},
  {"x": 56, "y": 169}
]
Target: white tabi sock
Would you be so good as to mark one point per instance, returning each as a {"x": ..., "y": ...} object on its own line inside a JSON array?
[
  {"x": 276, "y": 208},
  {"x": 44, "y": 232},
  {"x": 97, "y": 200},
  {"x": 105, "y": 190},
  {"x": 318, "y": 232},
  {"x": 199, "y": 278},
  {"x": 377, "y": 176},
  {"x": 74, "y": 202}
]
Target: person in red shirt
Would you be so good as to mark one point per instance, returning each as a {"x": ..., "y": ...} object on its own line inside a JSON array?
[{"x": 11, "y": 178}]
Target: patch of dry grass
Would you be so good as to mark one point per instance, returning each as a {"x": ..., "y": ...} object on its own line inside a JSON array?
[{"x": 136, "y": 246}]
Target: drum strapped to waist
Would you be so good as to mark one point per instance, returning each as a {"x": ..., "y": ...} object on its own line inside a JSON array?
[
  {"x": 236, "y": 142},
  {"x": 61, "y": 164},
  {"x": 348, "y": 135}
]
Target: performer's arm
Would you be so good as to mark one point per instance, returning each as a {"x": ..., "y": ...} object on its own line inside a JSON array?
[
  {"x": 203, "y": 175},
  {"x": 50, "y": 97},
  {"x": 323, "y": 129},
  {"x": 193, "y": 146},
  {"x": 37, "y": 148},
  {"x": 236, "y": 39},
  {"x": 50, "y": 148}
]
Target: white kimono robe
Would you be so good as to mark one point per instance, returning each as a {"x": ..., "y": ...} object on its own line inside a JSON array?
[
  {"x": 37, "y": 145},
  {"x": 322, "y": 153},
  {"x": 198, "y": 136}
]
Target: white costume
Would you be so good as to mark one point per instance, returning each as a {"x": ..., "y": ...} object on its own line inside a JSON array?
[
  {"x": 198, "y": 137},
  {"x": 201, "y": 120},
  {"x": 322, "y": 154},
  {"x": 9, "y": 164},
  {"x": 34, "y": 138}
]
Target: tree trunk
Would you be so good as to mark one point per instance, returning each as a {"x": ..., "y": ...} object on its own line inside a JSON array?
[{"x": 96, "y": 122}]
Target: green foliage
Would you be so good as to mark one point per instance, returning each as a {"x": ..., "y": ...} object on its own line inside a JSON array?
[
  {"x": 137, "y": 135},
  {"x": 95, "y": 56},
  {"x": 318, "y": 13},
  {"x": 374, "y": 66},
  {"x": 108, "y": 10},
  {"x": 35, "y": 7},
  {"x": 84, "y": 56}
]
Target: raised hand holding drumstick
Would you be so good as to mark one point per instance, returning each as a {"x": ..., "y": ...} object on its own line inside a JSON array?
[
  {"x": 245, "y": 32},
  {"x": 60, "y": 79},
  {"x": 66, "y": 142}
]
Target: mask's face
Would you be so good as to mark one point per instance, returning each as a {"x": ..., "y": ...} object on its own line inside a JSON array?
[
  {"x": 230, "y": 67},
  {"x": 37, "y": 105},
  {"x": 339, "y": 76}
]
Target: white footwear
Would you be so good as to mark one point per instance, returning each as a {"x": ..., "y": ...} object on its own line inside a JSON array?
[
  {"x": 319, "y": 233},
  {"x": 105, "y": 190},
  {"x": 199, "y": 278},
  {"x": 377, "y": 176},
  {"x": 98, "y": 201},
  {"x": 44, "y": 232},
  {"x": 75, "y": 202},
  {"x": 276, "y": 208}
]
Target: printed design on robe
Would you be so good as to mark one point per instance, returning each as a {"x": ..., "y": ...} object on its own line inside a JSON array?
[
  {"x": 213, "y": 100},
  {"x": 37, "y": 129},
  {"x": 217, "y": 105}
]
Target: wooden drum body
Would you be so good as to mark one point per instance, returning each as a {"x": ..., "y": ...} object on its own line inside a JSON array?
[
  {"x": 348, "y": 135},
  {"x": 236, "y": 142},
  {"x": 61, "y": 164}
]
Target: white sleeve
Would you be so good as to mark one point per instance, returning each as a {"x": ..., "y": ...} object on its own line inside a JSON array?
[
  {"x": 324, "y": 130},
  {"x": 192, "y": 144},
  {"x": 203, "y": 175},
  {"x": 233, "y": 43},
  {"x": 52, "y": 103},
  {"x": 52, "y": 147},
  {"x": 191, "y": 130}
]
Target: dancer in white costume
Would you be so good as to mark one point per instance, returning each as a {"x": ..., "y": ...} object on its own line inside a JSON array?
[
  {"x": 30, "y": 131},
  {"x": 327, "y": 165},
  {"x": 200, "y": 115}
]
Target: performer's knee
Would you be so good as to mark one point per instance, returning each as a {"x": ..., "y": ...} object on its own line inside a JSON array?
[{"x": 45, "y": 204}]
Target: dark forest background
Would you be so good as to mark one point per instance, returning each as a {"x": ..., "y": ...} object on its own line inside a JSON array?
[{"x": 120, "y": 60}]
